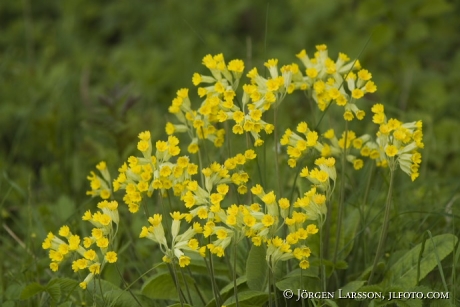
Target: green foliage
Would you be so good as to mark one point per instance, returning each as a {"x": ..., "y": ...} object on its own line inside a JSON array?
[
  {"x": 415, "y": 264},
  {"x": 248, "y": 298},
  {"x": 257, "y": 269},
  {"x": 80, "y": 79}
]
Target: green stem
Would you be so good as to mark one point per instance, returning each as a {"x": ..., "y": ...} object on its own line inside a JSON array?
[
  {"x": 327, "y": 232},
  {"x": 277, "y": 167},
  {"x": 204, "y": 147},
  {"x": 363, "y": 217},
  {"x": 213, "y": 279},
  {"x": 200, "y": 166},
  {"x": 100, "y": 288},
  {"x": 126, "y": 286},
  {"x": 321, "y": 255},
  {"x": 342, "y": 196},
  {"x": 386, "y": 220},
  {"x": 274, "y": 287},
  {"x": 227, "y": 139},
  {"x": 235, "y": 286},
  {"x": 301, "y": 278},
  {"x": 186, "y": 287},
  {"x": 270, "y": 302},
  {"x": 212, "y": 282},
  {"x": 176, "y": 281},
  {"x": 196, "y": 286}
]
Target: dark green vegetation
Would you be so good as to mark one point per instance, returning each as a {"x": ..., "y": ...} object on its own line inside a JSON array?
[{"x": 80, "y": 79}]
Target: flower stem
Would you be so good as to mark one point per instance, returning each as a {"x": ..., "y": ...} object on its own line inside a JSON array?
[
  {"x": 321, "y": 256},
  {"x": 235, "y": 287},
  {"x": 186, "y": 287},
  {"x": 383, "y": 234},
  {"x": 196, "y": 287},
  {"x": 275, "y": 136},
  {"x": 176, "y": 281},
  {"x": 127, "y": 286},
  {"x": 213, "y": 279},
  {"x": 342, "y": 196}
]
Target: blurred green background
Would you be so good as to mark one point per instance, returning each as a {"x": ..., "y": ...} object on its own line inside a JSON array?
[{"x": 79, "y": 79}]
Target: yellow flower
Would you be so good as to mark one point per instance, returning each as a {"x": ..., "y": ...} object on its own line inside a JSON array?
[
  {"x": 111, "y": 257},
  {"x": 391, "y": 150},
  {"x": 304, "y": 264},
  {"x": 184, "y": 261},
  {"x": 268, "y": 220}
]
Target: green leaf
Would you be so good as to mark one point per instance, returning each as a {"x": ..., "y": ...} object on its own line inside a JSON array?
[
  {"x": 179, "y": 305},
  {"x": 341, "y": 265},
  {"x": 198, "y": 266},
  {"x": 66, "y": 284},
  {"x": 13, "y": 291},
  {"x": 330, "y": 303},
  {"x": 112, "y": 295},
  {"x": 311, "y": 272},
  {"x": 371, "y": 288},
  {"x": 350, "y": 225},
  {"x": 58, "y": 286},
  {"x": 66, "y": 304},
  {"x": 404, "y": 271},
  {"x": 250, "y": 297},
  {"x": 381, "y": 303},
  {"x": 347, "y": 235},
  {"x": 352, "y": 286},
  {"x": 54, "y": 291},
  {"x": 433, "y": 8},
  {"x": 227, "y": 291},
  {"x": 257, "y": 268},
  {"x": 408, "y": 303},
  {"x": 30, "y": 290},
  {"x": 160, "y": 286},
  {"x": 310, "y": 283},
  {"x": 365, "y": 274},
  {"x": 228, "y": 287}
]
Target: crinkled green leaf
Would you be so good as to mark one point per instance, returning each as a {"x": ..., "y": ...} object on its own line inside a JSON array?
[{"x": 54, "y": 291}]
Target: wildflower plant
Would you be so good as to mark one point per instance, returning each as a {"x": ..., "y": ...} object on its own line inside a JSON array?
[{"x": 207, "y": 213}]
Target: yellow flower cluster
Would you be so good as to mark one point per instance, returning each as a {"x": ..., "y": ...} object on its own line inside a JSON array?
[
  {"x": 100, "y": 186},
  {"x": 179, "y": 243},
  {"x": 142, "y": 175},
  {"x": 396, "y": 143},
  {"x": 348, "y": 143},
  {"x": 328, "y": 80},
  {"x": 210, "y": 222},
  {"x": 101, "y": 235},
  {"x": 298, "y": 146},
  {"x": 219, "y": 106}
]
